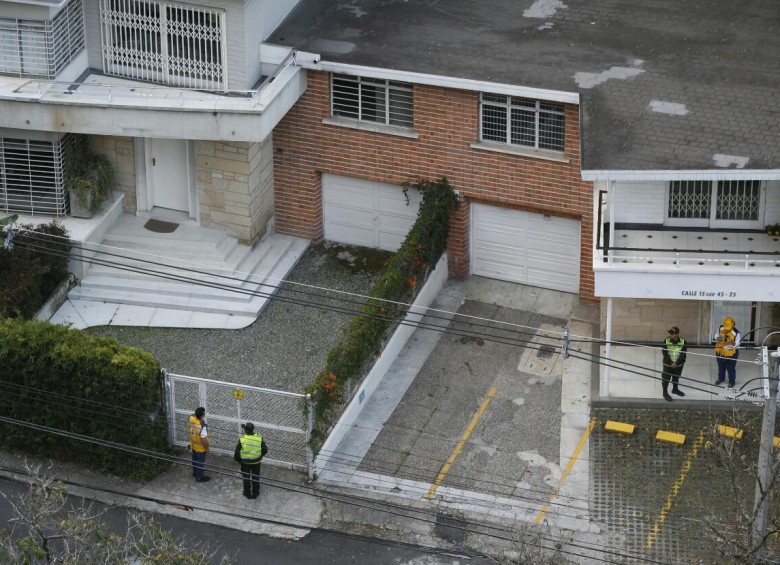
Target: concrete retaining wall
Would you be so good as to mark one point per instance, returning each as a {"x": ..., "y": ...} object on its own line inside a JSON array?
[{"x": 397, "y": 342}]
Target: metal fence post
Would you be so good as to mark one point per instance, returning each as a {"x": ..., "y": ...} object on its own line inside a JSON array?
[
  {"x": 168, "y": 402},
  {"x": 309, "y": 429}
]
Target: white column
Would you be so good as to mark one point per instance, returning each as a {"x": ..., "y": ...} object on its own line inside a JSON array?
[{"x": 608, "y": 351}]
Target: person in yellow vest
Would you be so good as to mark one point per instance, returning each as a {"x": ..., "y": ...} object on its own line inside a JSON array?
[
  {"x": 249, "y": 452},
  {"x": 674, "y": 354},
  {"x": 199, "y": 444},
  {"x": 727, "y": 351}
]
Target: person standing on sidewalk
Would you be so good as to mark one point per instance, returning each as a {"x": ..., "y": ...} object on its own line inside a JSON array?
[
  {"x": 250, "y": 450},
  {"x": 727, "y": 351},
  {"x": 674, "y": 353},
  {"x": 199, "y": 444}
]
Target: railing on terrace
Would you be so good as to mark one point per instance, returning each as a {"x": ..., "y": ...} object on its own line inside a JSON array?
[
  {"x": 146, "y": 94},
  {"x": 678, "y": 257}
]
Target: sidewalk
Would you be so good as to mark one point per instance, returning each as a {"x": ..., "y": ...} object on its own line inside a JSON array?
[{"x": 697, "y": 381}]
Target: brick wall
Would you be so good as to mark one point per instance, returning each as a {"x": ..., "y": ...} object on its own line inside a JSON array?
[{"x": 447, "y": 122}]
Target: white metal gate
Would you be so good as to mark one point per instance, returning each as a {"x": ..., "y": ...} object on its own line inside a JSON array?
[{"x": 283, "y": 418}]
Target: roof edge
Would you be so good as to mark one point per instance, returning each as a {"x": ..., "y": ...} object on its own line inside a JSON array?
[
  {"x": 314, "y": 62},
  {"x": 667, "y": 175}
]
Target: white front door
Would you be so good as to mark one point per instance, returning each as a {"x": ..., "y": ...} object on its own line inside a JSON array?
[{"x": 168, "y": 174}]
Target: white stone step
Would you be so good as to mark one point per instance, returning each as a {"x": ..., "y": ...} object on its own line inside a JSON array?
[{"x": 272, "y": 258}]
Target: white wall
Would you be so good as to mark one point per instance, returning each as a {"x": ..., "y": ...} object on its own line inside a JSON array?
[
  {"x": 640, "y": 202},
  {"x": 772, "y": 215},
  {"x": 261, "y": 18}
]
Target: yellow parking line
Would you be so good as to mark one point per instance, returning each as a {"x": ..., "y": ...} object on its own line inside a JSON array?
[
  {"x": 455, "y": 452},
  {"x": 675, "y": 491},
  {"x": 568, "y": 469}
]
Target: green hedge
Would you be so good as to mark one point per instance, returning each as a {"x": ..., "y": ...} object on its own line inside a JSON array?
[
  {"x": 365, "y": 336},
  {"x": 61, "y": 378},
  {"x": 31, "y": 271}
]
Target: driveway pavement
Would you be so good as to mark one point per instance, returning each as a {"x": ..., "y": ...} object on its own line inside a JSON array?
[{"x": 478, "y": 426}]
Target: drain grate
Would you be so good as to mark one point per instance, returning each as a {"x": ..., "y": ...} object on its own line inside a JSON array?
[{"x": 545, "y": 352}]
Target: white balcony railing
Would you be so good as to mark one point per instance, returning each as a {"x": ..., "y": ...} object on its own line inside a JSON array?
[{"x": 690, "y": 251}]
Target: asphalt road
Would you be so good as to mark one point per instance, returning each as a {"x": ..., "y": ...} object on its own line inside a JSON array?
[{"x": 323, "y": 548}]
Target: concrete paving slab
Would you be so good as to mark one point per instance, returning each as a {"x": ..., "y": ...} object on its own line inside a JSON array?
[
  {"x": 167, "y": 318},
  {"x": 206, "y": 320},
  {"x": 95, "y": 313},
  {"x": 68, "y": 315},
  {"x": 130, "y": 315}
]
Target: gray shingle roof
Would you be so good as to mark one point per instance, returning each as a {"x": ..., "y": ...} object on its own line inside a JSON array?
[{"x": 665, "y": 84}]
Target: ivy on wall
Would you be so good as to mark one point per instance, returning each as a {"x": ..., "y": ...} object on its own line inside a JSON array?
[{"x": 365, "y": 336}]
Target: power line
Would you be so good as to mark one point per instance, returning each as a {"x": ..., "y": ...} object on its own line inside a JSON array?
[{"x": 347, "y": 499}]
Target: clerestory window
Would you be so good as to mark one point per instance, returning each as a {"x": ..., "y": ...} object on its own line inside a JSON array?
[
  {"x": 716, "y": 204},
  {"x": 164, "y": 42},
  {"x": 521, "y": 121},
  {"x": 373, "y": 100}
]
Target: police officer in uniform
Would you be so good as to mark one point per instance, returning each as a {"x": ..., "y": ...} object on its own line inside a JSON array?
[
  {"x": 674, "y": 353},
  {"x": 249, "y": 452}
]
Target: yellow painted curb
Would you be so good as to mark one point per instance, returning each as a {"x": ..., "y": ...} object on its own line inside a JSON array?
[{"x": 619, "y": 427}]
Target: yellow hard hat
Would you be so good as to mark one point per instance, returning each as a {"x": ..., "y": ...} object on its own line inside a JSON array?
[{"x": 728, "y": 323}]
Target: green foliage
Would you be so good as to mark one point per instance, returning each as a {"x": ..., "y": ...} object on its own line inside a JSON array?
[
  {"x": 61, "y": 378},
  {"x": 31, "y": 271},
  {"x": 365, "y": 336},
  {"x": 87, "y": 174}
]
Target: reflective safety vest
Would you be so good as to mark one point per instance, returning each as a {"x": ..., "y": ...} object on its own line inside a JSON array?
[
  {"x": 674, "y": 349},
  {"x": 251, "y": 447},
  {"x": 726, "y": 338},
  {"x": 196, "y": 443}
]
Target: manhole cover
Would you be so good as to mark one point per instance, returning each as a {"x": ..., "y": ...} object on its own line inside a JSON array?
[{"x": 545, "y": 352}]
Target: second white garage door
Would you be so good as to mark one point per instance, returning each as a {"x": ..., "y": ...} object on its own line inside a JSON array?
[
  {"x": 371, "y": 214},
  {"x": 525, "y": 248}
]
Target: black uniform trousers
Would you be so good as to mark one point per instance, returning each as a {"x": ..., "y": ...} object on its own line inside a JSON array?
[
  {"x": 671, "y": 374},
  {"x": 251, "y": 476}
]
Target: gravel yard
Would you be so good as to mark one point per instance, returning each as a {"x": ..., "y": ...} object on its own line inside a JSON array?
[{"x": 288, "y": 343}]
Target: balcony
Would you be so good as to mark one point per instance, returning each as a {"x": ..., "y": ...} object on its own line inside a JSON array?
[
  {"x": 688, "y": 264},
  {"x": 107, "y": 105}
]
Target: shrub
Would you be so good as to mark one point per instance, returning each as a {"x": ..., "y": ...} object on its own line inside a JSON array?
[
  {"x": 31, "y": 271},
  {"x": 65, "y": 380},
  {"x": 364, "y": 337}
]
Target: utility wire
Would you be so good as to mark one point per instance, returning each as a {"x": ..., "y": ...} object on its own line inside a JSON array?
[{"x": 347, "y": 499}]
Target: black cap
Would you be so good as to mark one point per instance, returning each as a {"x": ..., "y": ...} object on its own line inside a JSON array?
[{"x": 674, "y": 330}]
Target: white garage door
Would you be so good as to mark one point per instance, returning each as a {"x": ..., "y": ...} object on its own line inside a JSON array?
[
  {"x": 526, "y": 248},
  {"x": 371, "y": 214}
]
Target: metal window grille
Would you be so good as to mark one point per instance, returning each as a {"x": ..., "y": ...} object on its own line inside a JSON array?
[
  {"x": 164, "y": 42},
  {"x": 42, "y": 48},
  {"x": 373, "y": 100},
  {"x": 520, "y": 121},
  {"x": 733, "y": 201},
  {"x": 690, "y": 199},
  {"x": 738, "y": 200},
  {"x": 31, "y": 177}
]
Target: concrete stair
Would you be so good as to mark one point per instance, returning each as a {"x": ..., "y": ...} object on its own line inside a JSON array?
[{"x": 193, "y": 269}]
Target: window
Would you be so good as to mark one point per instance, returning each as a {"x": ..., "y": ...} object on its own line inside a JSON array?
[
  {"x": 164, "y": 42},
  {"x": 42, "y": 48},
  {"x": 373, "y": 100},
  {"x": 523, "y": 122},
  {"x": 31, "y": 177},
  {"x": 725, "y": 204}
]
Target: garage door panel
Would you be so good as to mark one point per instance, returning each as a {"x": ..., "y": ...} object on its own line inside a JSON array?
[
  {"x": 525, "y": 247},
  {"x": 367, "y": 213}
]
